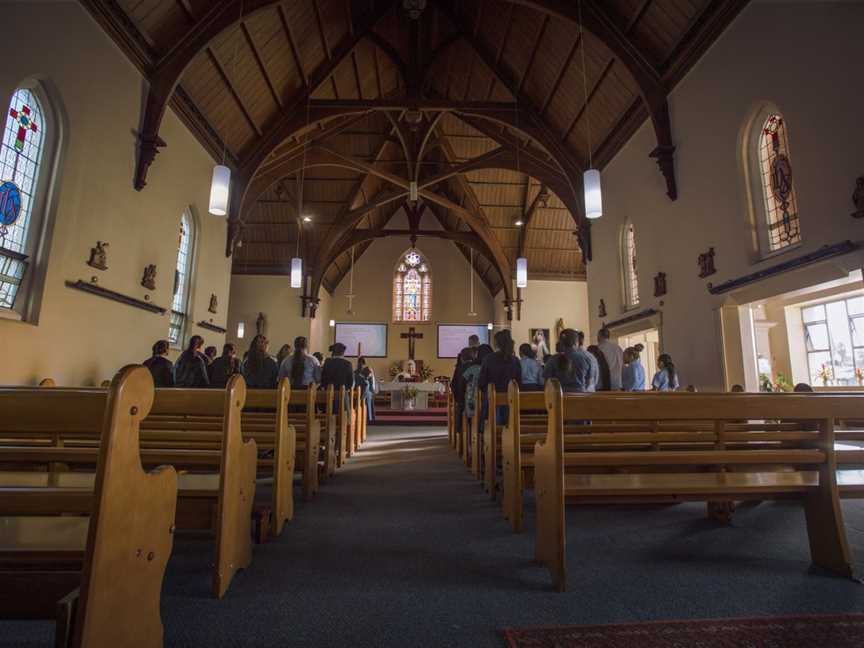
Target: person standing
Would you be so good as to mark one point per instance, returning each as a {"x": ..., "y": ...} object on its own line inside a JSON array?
[
  {"x": 259, "y": 369},
  {"x": 633, "y": 374},
  {"x": 223, "y": 367},
  {"x": 210, "y": 355},
  {"x": 572, "y": 366},
  {"x": 457, "y": 384},
  {"x": 161, "y": 368},
  {"x": 666, "y": 378},
  {"x": 337, "y": 371},
  {"x": 300, "y": 367},
  {"x": 602, "y": 368},
  {"x": 614, "y": 359},
  {"x": 365, "y": 378},
  {"x": 284, "y": 352},
  {"x": 191, "y": 367},
  {"x": 532, "y": 371},
  {"x": 498, "y": 369}
]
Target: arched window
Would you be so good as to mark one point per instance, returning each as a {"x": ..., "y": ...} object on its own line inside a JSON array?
[
  {"x": 412, "y": 289},
  {"x": 182, "y": 280},
  {"x": 772, "y": 201},
  {"x": 24, "y": 185},
  {"x": 628, "y": 262}
]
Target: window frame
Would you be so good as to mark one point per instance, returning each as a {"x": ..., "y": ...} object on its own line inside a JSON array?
[
  {"x": 191, "y": 262},
  {"x": 830, "y": 350},
  {"x": 629, "y": 274},
  {"x": 398, "y": 288},
  {"x": 757, "y": 198},
  {"x": 40, "y": 230}
]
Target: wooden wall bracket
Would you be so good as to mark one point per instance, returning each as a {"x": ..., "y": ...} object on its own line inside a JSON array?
[
  {"x": 632, "y": 318},
  {"x": 212, "y": 327},
  {"x": 99, "y": 291},
  {"x": 823, "y": 253}
]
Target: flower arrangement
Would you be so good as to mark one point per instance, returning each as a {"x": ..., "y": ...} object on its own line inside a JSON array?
[
  {"x": 859, "y": 375},
  {"x": 825, "y": 374},
  {"x": 425, "y": 373},
  {"x": 410, "y": 392}
]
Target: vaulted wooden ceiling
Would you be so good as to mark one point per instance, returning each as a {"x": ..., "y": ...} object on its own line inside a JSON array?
[{"x": 334, "y": 107}]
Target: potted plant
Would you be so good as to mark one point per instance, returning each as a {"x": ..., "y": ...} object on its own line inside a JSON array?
[{"x": 825, "y": 374}]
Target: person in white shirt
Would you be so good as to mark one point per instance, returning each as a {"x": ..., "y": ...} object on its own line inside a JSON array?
[{"x": 614, "y": 358}]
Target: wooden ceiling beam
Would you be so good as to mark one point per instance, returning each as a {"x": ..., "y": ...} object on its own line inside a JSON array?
[
  {"x": 260, "y": 62},
  {"x": 223, "y": 75}
]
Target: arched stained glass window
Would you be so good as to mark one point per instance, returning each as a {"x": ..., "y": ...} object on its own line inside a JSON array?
[
  {"x": 781, "y": 205},
  {"x": 21, "y": 153},
  {"x": 628, "y": 259},
  {"x": 412, "y": 288},
  {"x": 182, "y": 279}
]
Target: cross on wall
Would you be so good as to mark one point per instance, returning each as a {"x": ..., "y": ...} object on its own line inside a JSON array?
[{"x": 411, "y": 336}]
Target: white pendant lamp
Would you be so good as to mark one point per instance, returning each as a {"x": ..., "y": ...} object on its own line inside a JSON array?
[
  {"x": 593, "y": 194},
  {"x": 241, "y": 330},
  {"x": 219, "y": 188},
  {"x": 521, "y": 272},
  {"x": 296, "y": 272},
  {"x": 591, "y": 177}
]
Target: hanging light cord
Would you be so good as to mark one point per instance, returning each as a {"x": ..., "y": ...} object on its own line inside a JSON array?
[
  {"x": 302, "y": 178},
  {"x": 585, "y": 86},
  {"x": 471, "y": 281}
]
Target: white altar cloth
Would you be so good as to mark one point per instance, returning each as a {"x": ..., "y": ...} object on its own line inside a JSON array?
[{"x": 397, "y": 393}]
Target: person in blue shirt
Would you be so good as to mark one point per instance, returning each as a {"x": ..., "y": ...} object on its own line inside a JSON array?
[
  {"x": 666, "y": 378},
  {"x": 633, "y": 374},
  {"x": 532, "y": 371},
  {"x": 300, "y": 368},
  {"x": 572, "y": 365}
]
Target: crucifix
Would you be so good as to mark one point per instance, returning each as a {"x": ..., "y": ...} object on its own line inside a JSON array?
[{"x": 411, "y": 335}]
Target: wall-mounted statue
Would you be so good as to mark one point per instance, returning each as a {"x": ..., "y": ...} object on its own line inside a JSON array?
[
  {"x": 214, "y": 304},
  {"x": 858, "y": 198},
  {"x": 660, "y": 284},
  {"x": 261, "y": 324},
  {"x": 601, "y": 310},
  {"x": 99, "y": 256},
  {"x": 706, "y": 264},
  {"x": 149, "y": 278}
]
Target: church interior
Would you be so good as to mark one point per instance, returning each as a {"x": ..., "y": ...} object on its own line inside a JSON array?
[{"x": 490, "y": 323}]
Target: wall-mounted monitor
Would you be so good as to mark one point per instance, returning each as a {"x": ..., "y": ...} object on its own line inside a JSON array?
[
  {"x": 452, "y": 338},
  {"x": 371, "y": 338}
]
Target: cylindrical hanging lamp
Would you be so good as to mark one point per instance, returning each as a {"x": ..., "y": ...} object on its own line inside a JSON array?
[
  {"x": 241, "y": 330},
  {"x": 521, "y": 272},
  {"x": 593, "y": 194},
  {"x": 219, "y": 188},
  {"x": 296, "y": 272}
]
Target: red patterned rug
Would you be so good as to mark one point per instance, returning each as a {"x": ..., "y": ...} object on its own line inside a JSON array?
[{"x": 834, "y": 631}]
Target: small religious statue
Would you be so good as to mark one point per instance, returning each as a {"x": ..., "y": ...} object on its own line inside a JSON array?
[
  {"x": 214, "y": 304},
  {"x": 149, "y": 278},
  {"x": 706, "y": 264},
  {"x": 559, "y": 326},
  {"x": 858, "y": 198},
  {"x": 601, "y": 310},
  {"x": 260, "y": 324},
  {"x": 660, "y": 284},
  {"x": 98, "y": 256}
]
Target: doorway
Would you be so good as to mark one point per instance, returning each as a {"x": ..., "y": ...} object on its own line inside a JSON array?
[{"x": 650, "y": 340}]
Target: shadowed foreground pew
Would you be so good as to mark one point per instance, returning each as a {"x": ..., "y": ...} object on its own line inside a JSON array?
[
  {"x": 216, "y": 488},
  {"x": 116, "y": 557},
  {"x": 798, "y": 465}
]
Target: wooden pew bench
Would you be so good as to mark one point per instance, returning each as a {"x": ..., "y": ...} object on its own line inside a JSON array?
[
  {"x": 796, "y": 464},
  {"x": 201, "y": 434},
  {"x": 116, "y": 557}
]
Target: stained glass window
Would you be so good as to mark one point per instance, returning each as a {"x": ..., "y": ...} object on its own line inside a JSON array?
[
  {"x": 631, "y": 277},
  {"x": 21, "y": 153},
  {"x": 412, "y": 289},
  {"x": 182, "y": 277},
  {"x": 781, "y": 205}
]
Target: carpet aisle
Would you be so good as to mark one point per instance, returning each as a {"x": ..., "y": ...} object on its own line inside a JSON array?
[{"x": 403, "y": 548}]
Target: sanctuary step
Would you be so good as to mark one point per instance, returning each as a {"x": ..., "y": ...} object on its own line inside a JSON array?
[{"x": 430, "y": 416}]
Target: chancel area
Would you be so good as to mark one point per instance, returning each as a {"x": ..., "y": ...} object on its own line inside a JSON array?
[{"x": 431, "y": 323}]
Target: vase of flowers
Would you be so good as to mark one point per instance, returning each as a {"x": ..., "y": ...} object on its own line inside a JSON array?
[
  {"x": 410, "y": 395},
  {"x": 859, "y": 376},
  {"x": 824, "y": 374}
]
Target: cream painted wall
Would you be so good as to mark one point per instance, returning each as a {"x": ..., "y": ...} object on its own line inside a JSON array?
[
  {"x": 543, "y": 303},
  {"x": 80, "y": 338},
  {"x": 746, "y": 67},
  {"x": 280, "y": 303}
]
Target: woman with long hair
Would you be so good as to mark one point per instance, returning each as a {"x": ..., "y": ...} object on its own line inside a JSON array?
[
  {"x": 191, "y": 367},
  {"x": 633, "y": 374},
  {"x": 603, "y": 376},
  {"x": 300, "y": 368},
  {"x": 284, "y": 352},
  {"x": 498, "y": 369},
  {"x": 161, "y": 368},
  {"x": 365, "y": 378},
  {"x": 666, "y": 378},
  {"x": 259, "y": 369},
  {"x": 532, "y": 371}
]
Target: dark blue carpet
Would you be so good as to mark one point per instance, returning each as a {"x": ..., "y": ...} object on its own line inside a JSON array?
[{"x": 402, "y": 548}]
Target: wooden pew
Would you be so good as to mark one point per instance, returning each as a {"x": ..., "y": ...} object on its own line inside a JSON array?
[
  {"x": 771, "y": 465},
  {"x": 330, "y": 436},
  {"x": 117, "y": 556},
  {"x": 217, "y": 492},
  {"x": 492, "y": 441}
]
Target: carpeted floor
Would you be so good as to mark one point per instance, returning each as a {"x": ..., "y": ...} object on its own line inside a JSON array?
[{"x": 402, "y": 548}]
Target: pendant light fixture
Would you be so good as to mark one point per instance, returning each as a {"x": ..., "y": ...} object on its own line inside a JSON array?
[
  {"x": 241, "y": 330},
  {"x": 591, "y": 177},
  {"x": 521, "y": 272},
  {"x": 220, "y": 183},
  {"x": 471, "y": 312},
  {"x": 521, "y": 262},
  {"x": 297, "y": 261}
]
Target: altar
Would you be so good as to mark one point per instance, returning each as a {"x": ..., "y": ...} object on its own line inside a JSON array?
[{"x": 398, "y": 398}]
